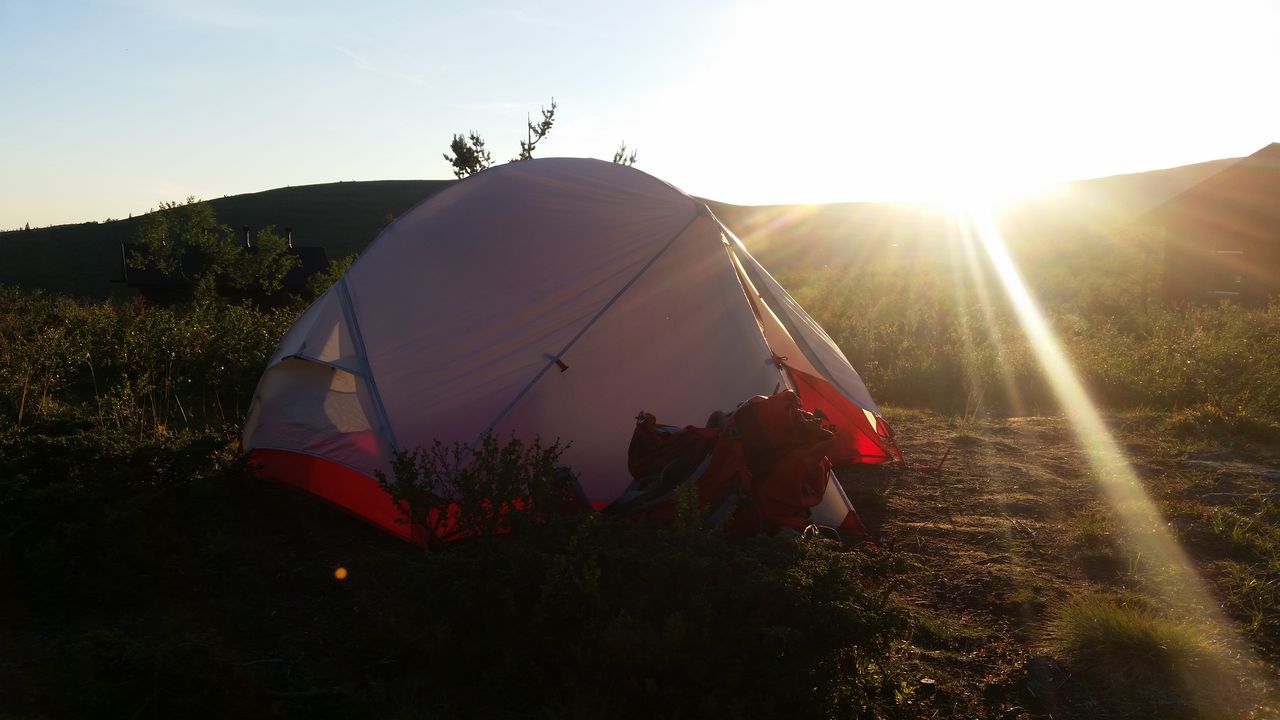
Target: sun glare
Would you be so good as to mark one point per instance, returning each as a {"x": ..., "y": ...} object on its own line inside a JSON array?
[
  {"x": 1165, "y": 564},
  {"x": 961, "y": 104},
  {"x": 874, "y": 118}
]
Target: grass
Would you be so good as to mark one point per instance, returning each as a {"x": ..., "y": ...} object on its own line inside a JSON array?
[
  {"x": 1145, "y": 664},
  {"x": 1249, "y": 533},
  {"x": 989, "y": 561},
  {"x": 938, "y": 632},
  {"x": 150, "y": 576},
  {"x": 1094, "y": 543},
  {"x": 155, "y": 579},
  {"x": 1092, "y": 530},
  {"x": 1246, "y": 535},
  {"x": 1212, "y": 423},
  {"x": 147, "y": 576},
  {"x": 1253, "y": 594},
  {"x": 937, "y": 342}
]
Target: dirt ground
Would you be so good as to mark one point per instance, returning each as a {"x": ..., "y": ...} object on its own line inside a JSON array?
[{"x": 1008, "y": 527}]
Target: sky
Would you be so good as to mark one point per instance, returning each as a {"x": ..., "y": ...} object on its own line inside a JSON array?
[{"x": 114, "y": 106}]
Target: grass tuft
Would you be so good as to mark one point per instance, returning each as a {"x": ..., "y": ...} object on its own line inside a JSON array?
[
  {"x": 935, "y": 631},
  {"x": 1212, "y": 422},
  {"x": 1147, "y": 664}
]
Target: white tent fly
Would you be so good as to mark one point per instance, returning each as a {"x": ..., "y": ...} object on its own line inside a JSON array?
[{"x": 553, "y": 297}]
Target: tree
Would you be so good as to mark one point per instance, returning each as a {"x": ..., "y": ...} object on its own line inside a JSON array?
[
  {"x": 185, "y": 240},
  {"x": 262, "y": 268},
  {"x": 537, "y": 132},
  {"x": 469, "y": 155},
  {"x": 622, "y": 157},
  {"x": 321, "y": 281},
  {"x": 174, "y": 232}
]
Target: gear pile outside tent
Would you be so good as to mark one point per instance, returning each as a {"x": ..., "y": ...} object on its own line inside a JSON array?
[{"x": 552, "y": 298}]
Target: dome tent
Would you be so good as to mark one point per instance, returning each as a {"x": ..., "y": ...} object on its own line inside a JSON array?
[{"x": 552, "y": 297}]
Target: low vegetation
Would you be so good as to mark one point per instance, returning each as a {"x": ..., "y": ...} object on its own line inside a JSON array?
[
  {"x": 131, "y": 368},
  {"x": 936, "y": 341},
  {"x": 1144, "y": 663},
  {"x": 154, "y": 578},
  {"x": 149, "y": 575}
]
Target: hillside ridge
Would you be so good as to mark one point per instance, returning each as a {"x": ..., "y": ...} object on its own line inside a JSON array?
[{"x": 85, "y": 259}]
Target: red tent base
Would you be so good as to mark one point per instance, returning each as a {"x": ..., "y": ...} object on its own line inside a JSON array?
[{"x": 349, "y": 489}]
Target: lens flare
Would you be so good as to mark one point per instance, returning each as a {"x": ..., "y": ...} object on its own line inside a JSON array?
[
  {"x": 971, "y": 292},
  {"x": 1164, "y": 563}
]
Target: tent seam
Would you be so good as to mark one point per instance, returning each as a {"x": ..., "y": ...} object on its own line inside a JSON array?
[
  {"x": 349, "y": 314},
  {"x": 317, "y": 456},
  {"x": 739, "y": 273},
  {"x": 799, "y": 339},
  {"x": 590, "y": 323}
]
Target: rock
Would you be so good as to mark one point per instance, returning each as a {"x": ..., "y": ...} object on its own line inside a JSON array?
[
  {"x": 1044, "y": 674},
  {"x": 926, "y": 686}
]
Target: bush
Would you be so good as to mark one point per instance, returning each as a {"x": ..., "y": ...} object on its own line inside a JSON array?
[
  {"x": 458, "y": 490},
  {"x": 130, "y": 367},
  {"x": 586, "y": 617},
  {"x": 150, "y": 577}
]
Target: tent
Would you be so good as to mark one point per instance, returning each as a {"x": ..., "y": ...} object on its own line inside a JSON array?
[{"x": 553, "y": 297}]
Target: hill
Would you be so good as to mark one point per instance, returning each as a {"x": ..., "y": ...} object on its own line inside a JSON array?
[
  {"x": 1116, "y": 200},
  {"x": 1029, "y": 566},
  {"x": 845, "y": 234},
  {"x": 85, "y": 259},
  {"x": 1223, "y": 235}
]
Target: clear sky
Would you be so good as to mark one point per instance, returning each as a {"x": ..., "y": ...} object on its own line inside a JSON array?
[{"x": 112, "y": 106}]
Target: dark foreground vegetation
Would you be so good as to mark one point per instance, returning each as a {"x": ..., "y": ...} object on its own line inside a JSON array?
[
  {"x": 146, "y": 574},
  {"x": 156, "y": 580}
]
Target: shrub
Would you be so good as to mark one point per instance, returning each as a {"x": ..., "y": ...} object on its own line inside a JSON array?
[
  {"x": 132, "y": 367},
  {"x": 587, "y": 617},
  {"x": 477, "y": 492}
]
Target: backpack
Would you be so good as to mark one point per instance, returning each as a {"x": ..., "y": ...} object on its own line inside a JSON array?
[{"x": 759, "y": 468}]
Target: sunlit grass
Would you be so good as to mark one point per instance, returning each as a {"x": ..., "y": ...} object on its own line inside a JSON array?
[
  {"x": 967, "y": 245},
  {"x": 1140, "y": 523},
  {"x": 1144, "y": 660},
  {"x": 1222, "y": 426}
]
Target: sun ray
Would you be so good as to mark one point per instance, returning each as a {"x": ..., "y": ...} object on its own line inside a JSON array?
[
  {"x": 978, "y": 278},
  {"x": 1141, "y": 522}
]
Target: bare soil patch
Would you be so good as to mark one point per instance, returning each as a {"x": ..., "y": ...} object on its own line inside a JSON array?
[{"x": 1013, "y": 523}]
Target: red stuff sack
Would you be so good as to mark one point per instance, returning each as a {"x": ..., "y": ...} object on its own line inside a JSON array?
[{"x": 760, "y": 468}]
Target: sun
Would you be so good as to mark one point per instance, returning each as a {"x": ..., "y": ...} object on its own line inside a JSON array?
[
  {"x": 963, "y": 104},
  {"x": 964, "y": 190}
]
